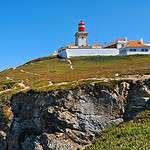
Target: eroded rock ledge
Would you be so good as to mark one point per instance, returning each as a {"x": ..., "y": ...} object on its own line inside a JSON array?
[{"x": 70, "y": 119}]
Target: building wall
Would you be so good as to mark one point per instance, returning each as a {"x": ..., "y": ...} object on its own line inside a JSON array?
[
  {"x": 63, "y": 54},
  {"x": 128, "y": 51},
  {"x": 88, "y": 52},
  {"x": 82, "y": 41},
  {"x": 123, "y": 52}
]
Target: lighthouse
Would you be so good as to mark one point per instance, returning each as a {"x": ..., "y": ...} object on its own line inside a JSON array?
[{"x": 81, "y": 36}]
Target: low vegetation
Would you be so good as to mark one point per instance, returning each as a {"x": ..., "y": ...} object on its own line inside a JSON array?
[
  {"x": 5, "y": 114},
  {"x": 52, "y": 73},
  {"x": 47, "y": 72},
  {"x": 132, "y": 135}
]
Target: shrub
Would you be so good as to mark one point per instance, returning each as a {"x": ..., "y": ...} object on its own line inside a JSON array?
[
  {"x": 6, "y": 114},
  {"x": 8, "y": 85}
]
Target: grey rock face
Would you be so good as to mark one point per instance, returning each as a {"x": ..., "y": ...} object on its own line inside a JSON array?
[
  {"x": 3, "y": 140},
  {"x": 138, "y": 99},
  {"x": 70, "y": 119}
]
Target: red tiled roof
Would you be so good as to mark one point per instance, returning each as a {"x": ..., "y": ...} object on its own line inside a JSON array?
[{"x": 135, "y": 44}]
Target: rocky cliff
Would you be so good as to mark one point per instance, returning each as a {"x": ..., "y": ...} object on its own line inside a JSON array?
[{"x": 69, "y": 119}]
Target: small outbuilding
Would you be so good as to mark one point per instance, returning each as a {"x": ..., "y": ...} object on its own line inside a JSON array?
[{"x": 134, "y": 48}]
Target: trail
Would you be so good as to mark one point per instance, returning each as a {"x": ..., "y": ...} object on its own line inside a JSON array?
[
  {"x": 70, "y": 63},
  {"x": 8, "y": 78},
  {"x": 29, "y": 72},
  {"x": 22, "y": 86},
  {"x": 50, "y": 83},
  {"x": 5, "y": 91},
  {"x": 126, "y": 78}
]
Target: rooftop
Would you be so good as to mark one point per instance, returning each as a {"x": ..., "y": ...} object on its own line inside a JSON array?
[{"x": 136, "y": 44}]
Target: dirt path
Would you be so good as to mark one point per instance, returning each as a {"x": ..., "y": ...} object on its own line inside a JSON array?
[
  {"x": 29, "y": 72},
  {"x": 130, "y": 77},
  {"x": 50, "y": 83},
  {"x": 23, "y": 86},
  {"x": 70, "y": 64},
  {"x": 5, "y": 91}
]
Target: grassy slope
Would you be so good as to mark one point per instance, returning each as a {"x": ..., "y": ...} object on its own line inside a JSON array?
[
  {"x": 39, "y": 74},
  {"x": 134, "y": 135}
]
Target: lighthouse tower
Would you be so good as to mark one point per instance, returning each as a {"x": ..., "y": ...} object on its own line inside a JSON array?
[{"x": 81, "y": 36}]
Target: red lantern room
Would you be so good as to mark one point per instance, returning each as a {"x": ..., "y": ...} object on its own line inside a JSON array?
[
  {"x": 81, "y": 36},
  {"x": 81, "y": 27}
]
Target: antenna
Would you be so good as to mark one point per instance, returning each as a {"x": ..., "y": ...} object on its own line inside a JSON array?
[{"x": 126, "y": 39}]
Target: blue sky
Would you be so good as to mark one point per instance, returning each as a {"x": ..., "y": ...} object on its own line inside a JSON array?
[{"x": 34, "y": 28}]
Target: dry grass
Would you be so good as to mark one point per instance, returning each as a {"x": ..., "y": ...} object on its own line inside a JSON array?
[{"x": 39, "y": 74}]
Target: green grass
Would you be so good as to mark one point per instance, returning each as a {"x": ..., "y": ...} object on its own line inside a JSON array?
[
  {"x": 58, "y": 70},
  {"x": 133, "y": 135},
  {"x": 39, "y": 74}
]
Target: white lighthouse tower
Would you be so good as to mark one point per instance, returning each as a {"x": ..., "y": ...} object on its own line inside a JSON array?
[{"x": 81, "y": 36}]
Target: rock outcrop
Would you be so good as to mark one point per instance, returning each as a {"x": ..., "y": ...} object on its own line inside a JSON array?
[{"x": 70, "y": 119}]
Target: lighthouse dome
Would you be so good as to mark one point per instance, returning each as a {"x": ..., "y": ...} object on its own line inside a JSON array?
[
  {"x": 81, "y": 26},
  {"x": 81, "y": 23}
]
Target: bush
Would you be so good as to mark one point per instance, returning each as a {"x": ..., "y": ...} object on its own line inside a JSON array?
[
  {"x": 8, "y": 85},
  {"x": 6, "y": 114}
]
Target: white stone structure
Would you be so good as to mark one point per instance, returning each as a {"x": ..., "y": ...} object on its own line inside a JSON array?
[{"x": 71, "y": 52}]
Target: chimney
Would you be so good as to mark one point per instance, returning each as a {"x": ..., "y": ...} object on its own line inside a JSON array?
[{"x": 142, "y": 41}]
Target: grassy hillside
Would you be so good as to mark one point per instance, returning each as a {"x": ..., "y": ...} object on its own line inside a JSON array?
[
  {"x": 133, "y": 135},
  {"x": 50, "y": 73},
  {"x": 44, "y": 73}
]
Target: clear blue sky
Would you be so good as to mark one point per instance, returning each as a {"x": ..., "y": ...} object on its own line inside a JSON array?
[{"x": 35, "y": 28}]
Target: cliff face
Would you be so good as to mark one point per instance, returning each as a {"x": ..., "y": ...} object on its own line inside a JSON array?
[{"x": 70, "y": 119}]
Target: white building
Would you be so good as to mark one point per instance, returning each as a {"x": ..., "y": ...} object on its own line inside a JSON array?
[
  {"x": 119, "y": 47},
  {"x": 135, "y": 48},
  {"x": 76, "y": 52}
]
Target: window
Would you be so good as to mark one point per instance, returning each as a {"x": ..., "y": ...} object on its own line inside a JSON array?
[
  {"x": 132, "y": 50},
  {"x": 144, "y": 50}
]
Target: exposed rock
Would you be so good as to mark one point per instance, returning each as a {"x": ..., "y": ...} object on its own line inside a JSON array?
[
  {"x": 70, "y": 119},
  {"x": 3, "y": 142},
  {"x": 138, "y": 99}
]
